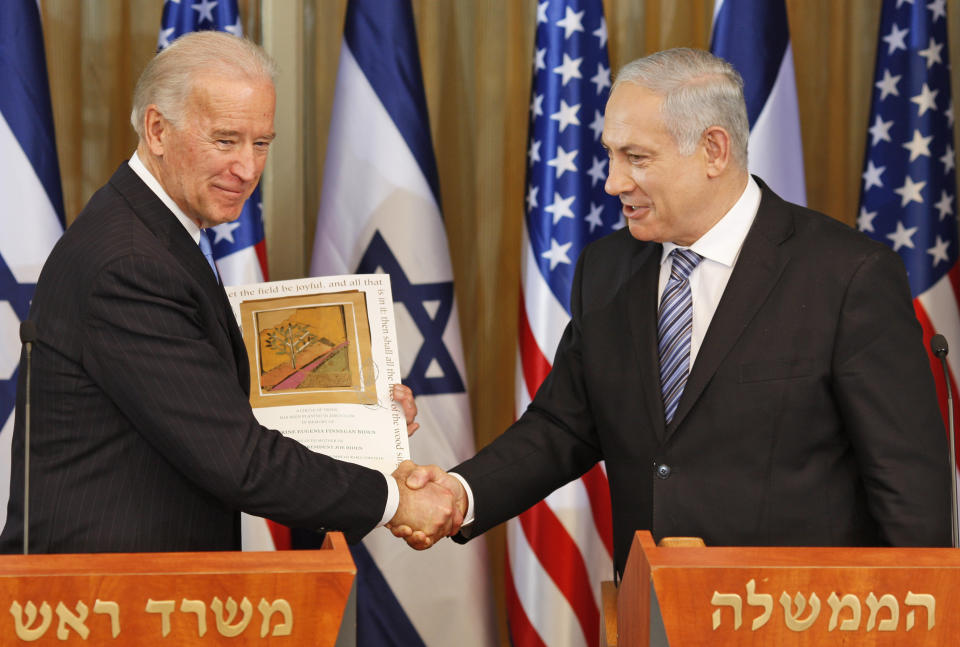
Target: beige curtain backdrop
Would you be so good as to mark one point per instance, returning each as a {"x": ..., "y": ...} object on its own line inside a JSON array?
[{"x": 477, "y": 58}]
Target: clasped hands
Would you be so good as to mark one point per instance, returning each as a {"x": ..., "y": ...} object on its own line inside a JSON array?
[{"x": 432, "y": 505}]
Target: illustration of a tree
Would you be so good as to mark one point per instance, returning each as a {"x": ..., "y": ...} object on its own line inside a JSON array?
[{"x": 290, "y": 339}]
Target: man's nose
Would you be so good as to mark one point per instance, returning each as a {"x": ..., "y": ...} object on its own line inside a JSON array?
[
  {"x": 246, "y": 164},
  {"x": 617, "y": 180}
]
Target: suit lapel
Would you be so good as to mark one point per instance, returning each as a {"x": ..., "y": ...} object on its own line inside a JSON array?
[
  {"x": 164, "y": 225},
  {"x": 758, "y": 268},
  {"x": 642, "y": 315}
]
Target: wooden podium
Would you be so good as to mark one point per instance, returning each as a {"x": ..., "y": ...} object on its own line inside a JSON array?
[
  {"x": 724, "y": 596},
  {"x": 267, "y": 598}
]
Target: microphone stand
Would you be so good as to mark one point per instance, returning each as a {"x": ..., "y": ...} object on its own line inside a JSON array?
[
  {"x": 28, "y": 335},
  {"x": 938, "y": 344}
]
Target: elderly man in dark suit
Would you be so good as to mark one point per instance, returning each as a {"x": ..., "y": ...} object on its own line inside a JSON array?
[
  {"x": 751, "y": 371},
  {"x": 143, "y": 438}
]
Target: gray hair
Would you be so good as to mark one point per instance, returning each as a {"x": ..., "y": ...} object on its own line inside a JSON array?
[
  {"x": 169, "y": 77},
  {"x": 699, "y": 90}
]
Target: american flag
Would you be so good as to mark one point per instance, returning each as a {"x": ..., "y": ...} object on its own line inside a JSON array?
[
  {"x": 239, "y": 248},
  {"x": 31, "y": 219},
  {"x": 909, "y": 194},
  {"x": 560, "y": 550}
]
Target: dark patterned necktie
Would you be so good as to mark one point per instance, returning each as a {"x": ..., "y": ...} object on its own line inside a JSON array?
[{"x": 674, "y": 329}]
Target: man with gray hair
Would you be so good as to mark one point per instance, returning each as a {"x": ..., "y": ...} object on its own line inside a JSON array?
[
  {"x": 750, "y": 370},
  {"x": 143, "y": 438}
]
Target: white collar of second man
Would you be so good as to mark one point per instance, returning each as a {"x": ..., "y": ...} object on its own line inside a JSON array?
[
  {"x": 723, "y": 241},
  {"x": 144, "y": 174}
]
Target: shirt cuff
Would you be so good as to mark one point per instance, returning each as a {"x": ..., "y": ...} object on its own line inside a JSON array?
[
  {"x": 468, "y": 515},
  {"x": 393, "y": 500}
]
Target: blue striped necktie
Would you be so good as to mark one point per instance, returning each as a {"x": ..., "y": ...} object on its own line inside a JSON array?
[
  {"x": 207, "y": 250},
  {"x": 674, "y": 328}
]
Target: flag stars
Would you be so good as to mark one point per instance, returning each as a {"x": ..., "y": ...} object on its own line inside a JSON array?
[
  {"x": 865, "y": 219},
  {"x": 938, "y": 8},
  {"x": 570, "y": 69},
  {"x": 871, "y": 177},
  {"x": 598, "y": 171},
  {"x": 902, "y": 237},
  {"x": 542, "y": 12},
  {"x": 939, "y": 251},
  {"x": 236, "y": 28},
  {"x": 910, "y": 192},
  {"x": 596, "y": 210},
  {"x": 888, "y": 85},
  {"x": 567, "y": 115},
  {"x": 557, "y": 254},
  {"x": 948, "y": 159},
  {"x": 560, "y": 207},
  {"x": 532, "y": 197},
  {"x": 932, "y": 53},
  {"x": 880, "y": 131},
  {"x": 602, "y": 78},
  {"x": 926, "y": 100},
  {"x": 895, "y": 39},
  {"x": 948, "y": 113},
  {"x": 534, "y": 151},
  {"x": 536, "y": 105},
  {"x": 919, "y": 145},
  {"x": 540, "y": 60},
  {"x": 205, "y": 9},
  {"x": 601, "y": 32},
  {"x": 225, "y": 231},
  {"x": 597, "y": 124},
  {"x": 945, "y": 205},
  {"x": 563, "y": 161},
  {"x": 163, "y": 41},
  {"x": 571, "y": 22}
]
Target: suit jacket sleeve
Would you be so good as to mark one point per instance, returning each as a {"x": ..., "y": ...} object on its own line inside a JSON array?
[
  {"x": 886, "y": 397},
  {"x": 155, "y": 345}
]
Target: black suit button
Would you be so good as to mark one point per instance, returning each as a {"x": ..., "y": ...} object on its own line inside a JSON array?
[{"x": 663, "y": 471}]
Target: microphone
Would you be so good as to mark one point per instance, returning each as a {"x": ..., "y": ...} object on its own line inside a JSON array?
[
  {"x": 28, "y": 335},
  {"x": 938, "y": 344}
]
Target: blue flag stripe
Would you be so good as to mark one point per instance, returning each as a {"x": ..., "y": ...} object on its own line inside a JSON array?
[
  {"x": 395, "y": 76},
  {"x": 752, "y": 35},
  {"x": 25, "y": 95}
]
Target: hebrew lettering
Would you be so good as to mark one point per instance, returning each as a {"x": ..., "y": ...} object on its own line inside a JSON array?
[
  {"x": 921, "y": 600},
  {"x": 888, "y": 601},
  {"x": 794, "y": 623},
  {"x": 764, "y": 600},
  {"x": 74, "y": 621},
  {"x": 164, "y": 608},
  {"x": 111, "y": 609},
  {"x": 200, "y": 609},
  {"x": 730, "y": 600},
  {"x": 280, "y": 606},
  {"x": 849, "y": 601},
  {"x": 24, "y": 627},
  {"x": 226, "y": 626}
]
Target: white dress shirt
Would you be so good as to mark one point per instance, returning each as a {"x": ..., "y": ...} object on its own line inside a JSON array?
[{"x": 138, "y": 167}]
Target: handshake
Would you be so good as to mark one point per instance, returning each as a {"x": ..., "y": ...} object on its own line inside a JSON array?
[{"x": 432, "y": 505}]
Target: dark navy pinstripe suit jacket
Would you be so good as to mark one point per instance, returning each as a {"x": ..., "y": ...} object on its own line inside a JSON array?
[{"x": 143, "y": 438}]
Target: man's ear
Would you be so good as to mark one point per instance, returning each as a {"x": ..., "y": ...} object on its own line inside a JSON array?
[
  {"x": 155, "y": 129},
  {"x": 716, "y": 150}
]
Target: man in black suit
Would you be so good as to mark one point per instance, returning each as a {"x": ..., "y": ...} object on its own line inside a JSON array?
[
  {"x": 793, "y": 406},
  {"x": 143, "y": 438}
]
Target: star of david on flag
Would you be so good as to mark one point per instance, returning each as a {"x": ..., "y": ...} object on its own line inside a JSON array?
[
  {"x": 239, "y": 248},
  {"x": 908, "y": 198},
  {"x": 31, "y": 219},
  {"x": 559, "y": 550}
]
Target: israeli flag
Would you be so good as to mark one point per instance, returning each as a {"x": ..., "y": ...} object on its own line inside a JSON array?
[
  {"x": 31, "y": 219},
  {"x": 380, "y": 212},
  {"x": 753, "y": 35}
]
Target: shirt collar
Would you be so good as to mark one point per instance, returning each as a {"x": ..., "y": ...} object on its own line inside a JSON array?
[
  {"x": 723, "y": 241},
  {"x": 138, "y": 167}
]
